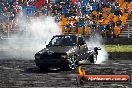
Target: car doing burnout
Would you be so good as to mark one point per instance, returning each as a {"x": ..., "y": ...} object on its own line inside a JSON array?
[{"x": 65, "y": 52}]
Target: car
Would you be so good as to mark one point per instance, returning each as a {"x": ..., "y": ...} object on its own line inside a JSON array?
[{"x": 65, "y": 51}]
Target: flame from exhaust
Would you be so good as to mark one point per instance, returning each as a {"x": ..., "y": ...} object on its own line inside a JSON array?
[{"x": 81, "y": 70}]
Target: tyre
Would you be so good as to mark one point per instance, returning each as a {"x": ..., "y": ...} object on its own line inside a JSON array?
[
  {"x": 93, "y": 58},
  {"x": 43, "y": 68},
  {"x": 73, "y": 63}
]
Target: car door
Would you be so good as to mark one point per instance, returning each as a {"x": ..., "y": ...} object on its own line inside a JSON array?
[{"x": 82, "y": 48}]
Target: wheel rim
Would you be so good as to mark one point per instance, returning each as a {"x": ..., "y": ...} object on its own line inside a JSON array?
[{"x": 72, "y": 64}]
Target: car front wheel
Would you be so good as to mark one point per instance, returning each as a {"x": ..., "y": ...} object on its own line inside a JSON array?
[
  {"x": 73, "y": 63},
  {"x": 43, "y": 67}
]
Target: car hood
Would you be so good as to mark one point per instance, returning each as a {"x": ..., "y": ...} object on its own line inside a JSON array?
[{"x": 59, "y": 49}]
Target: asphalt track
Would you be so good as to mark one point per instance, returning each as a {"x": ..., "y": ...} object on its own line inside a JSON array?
[
  {"x": 25, "y": 74},
  {"x": 18, "y": 72}
]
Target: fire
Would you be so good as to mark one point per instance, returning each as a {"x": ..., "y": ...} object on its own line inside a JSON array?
[{"x": 81, "y": 70}]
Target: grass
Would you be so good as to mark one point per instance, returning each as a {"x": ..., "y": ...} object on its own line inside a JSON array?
[
  {"x": 118, "y": 48},
  {"x": 109, "y": 48}
]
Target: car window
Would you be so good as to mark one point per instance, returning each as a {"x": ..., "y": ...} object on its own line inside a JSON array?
[
  {"x": 63, "y": 41},
  {"x": 81, "y": 41}
]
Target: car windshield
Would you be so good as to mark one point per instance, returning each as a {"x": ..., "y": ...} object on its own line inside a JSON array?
[{"x": 63, "y": 41}]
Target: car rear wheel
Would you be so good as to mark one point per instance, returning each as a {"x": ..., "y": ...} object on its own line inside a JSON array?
[{"x": 93, "y": 58}]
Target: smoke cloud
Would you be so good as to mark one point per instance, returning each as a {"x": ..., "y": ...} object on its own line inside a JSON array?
[
  {"x": 96, "y": 41},
  {"x": 34, "y": 34}
]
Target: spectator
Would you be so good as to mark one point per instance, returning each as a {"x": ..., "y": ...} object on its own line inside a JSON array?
[
  {"x": 88, "y": 8},
  {"x": 106, "y": 4},
  {"x": 112, "y": 23},
  {"x": 109, "y": 30},
  {"x": 126, "y": 10},
  {"x": 75, "y": 25},
  {"x": 117, "y": 4},
  {"x": 99, "y": 7},
  {"x": 128, "y": 0},
  {"x": 113, "y": 9},
  {"x": 69, "y": 26},
  {"x": 119, "y": 22},
  {"x": 100, "y": 16},
  {"x": 118, "y": 12},
  {"x": 81, "y": 23},
  {"x": 91, "y": 1},
  {"x": 92, "y": 26},
  {"x": 100, "y": 28},
  {"x": 93, "y": 16}
]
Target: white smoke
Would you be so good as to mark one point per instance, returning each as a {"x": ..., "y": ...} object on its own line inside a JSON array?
[
  {"x": 96, "y": 41},
  {"x": 34, "y": 32}
]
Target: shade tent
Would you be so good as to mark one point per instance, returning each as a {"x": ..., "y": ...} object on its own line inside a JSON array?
[
  {"x": 74, "y": 0},
  {"x": 39, "y": 3}
]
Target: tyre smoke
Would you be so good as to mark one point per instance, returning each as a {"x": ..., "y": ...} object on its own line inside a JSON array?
[
  {"x": 96, "y": 41},
  {"x": 34, "y": 33}
]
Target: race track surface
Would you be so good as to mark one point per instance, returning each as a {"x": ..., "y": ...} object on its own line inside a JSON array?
[{"x": 25, "y": 74}]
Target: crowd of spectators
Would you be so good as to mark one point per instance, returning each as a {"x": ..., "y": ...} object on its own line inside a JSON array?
[
  {"x": 91, "y": 14},
  {"x": 83, "y": 12}
]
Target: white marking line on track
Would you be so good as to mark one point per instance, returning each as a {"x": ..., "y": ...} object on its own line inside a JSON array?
[
  {"x": 58, "y": 78},
  {"x": 72, "y": 79},
  {"x": 7, "y": 68}
]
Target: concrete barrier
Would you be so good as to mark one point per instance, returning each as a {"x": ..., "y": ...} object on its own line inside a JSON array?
[{"x": 120, "y": 55}]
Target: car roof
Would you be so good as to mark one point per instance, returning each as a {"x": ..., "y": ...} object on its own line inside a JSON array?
[{"x": 78, "y": 35}]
